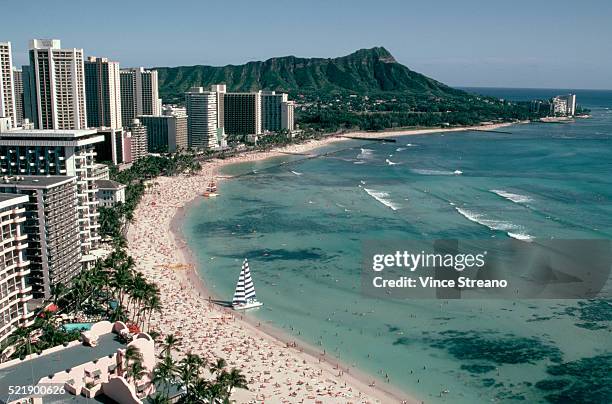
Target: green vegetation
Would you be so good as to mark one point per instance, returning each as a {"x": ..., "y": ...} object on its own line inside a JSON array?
[
  {"x": 363, "y": 72},
  {"x": 188, "y": 374},
  {"x": 366, "y": 90},
  {"x": 114, "y": 290},
  {"x": 112, "y": 220},
  {"x": 111, "y": 290},
  {"x": 382, "y": 111}
]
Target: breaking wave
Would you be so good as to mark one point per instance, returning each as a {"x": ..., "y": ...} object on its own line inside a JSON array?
[
  {"x": 509, "y": 228},
  {"x": 365, "y": 154},
  {"x": 516, "y": 198},
  {"x": 391, "y": 163},
  {"x": 381, "y": 197},
  {"x": 432, "y": 172}
]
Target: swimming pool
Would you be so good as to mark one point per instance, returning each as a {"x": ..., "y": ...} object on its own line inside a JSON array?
[{"x": 77, "y": 326}]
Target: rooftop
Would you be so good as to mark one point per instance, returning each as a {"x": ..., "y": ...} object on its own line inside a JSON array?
[
  {"x": 7, "y": 199},
  {"x": 29, "y": 372},
  {"x": 35, "y": 181},
  {"x": 49, "y": 132},
  {"x": 46, "y": 137},
  {"x": 109, "y": 184}
]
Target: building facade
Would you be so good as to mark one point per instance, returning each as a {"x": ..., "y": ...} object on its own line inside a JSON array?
[
  {"x": 56, "y": 86},
  {"x": 202, "y": 122},
  {"x": 242, "y": 114},
  {"x": 55, "y": 152},
  {"x": 18, "y": 89},
  {"x": 103, "y": 93},
  {"x": 139, "y": 93},
  {"x": 110, "y": 193},
  {"x": 14, "y": 267},
  {"x": 166, "y": 133},
  {"x": 271, "y": 107},
  {"x": 136, "y": 141},
  {"x": 7, "y": 92},
  {"x": 112, "y": 148},
  {"x": 100, "y": 172},
  {"x": 287, "y": 116},
  {"x": 564, "y": 105},
  {"x": 52, "y": 227},
  {"x": 220, "y": 90}
]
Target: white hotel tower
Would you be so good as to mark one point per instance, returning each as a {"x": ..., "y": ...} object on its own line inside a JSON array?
[
  {"x": 201, "y": 118},
  {"x": 56, "y": 86},
  {"x": 14, "y": 267},
  {"x": 7, "y": 94}
]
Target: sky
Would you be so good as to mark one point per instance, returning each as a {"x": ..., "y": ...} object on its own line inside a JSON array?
[{"x": 535, "y": 44}]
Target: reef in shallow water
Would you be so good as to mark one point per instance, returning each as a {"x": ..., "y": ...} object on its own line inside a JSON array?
[
  {"x": 587, "y": 380},
  {"x": 593, "y": 314},
  {"x": 496, "y": 349}
]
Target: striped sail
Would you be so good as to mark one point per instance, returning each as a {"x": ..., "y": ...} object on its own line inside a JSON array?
[{"x": 245, "y": 290}]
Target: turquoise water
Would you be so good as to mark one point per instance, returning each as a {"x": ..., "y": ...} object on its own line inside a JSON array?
[
  {"x": 77, "y": 326},
  {"x": 301, "y": 225}
]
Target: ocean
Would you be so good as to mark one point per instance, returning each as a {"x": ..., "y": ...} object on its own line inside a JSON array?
[{"x": 301, "y": 225}]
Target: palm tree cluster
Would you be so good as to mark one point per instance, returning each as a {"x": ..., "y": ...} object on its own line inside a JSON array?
[
  {"x": 112, "y": 289},
  {"x": 41, "y": 335},
  {"x": 189, "y": 375},
  {"x": 116, "y": 289}
]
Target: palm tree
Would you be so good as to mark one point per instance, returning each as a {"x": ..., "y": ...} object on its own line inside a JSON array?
[
  {"x": 136, "y": 371},
  {"x": 133, "y": 364},
  {"x": 218, "y": 366},
  {"x": 170, "y": 342},
  {"x": 190, "y": 370},
  {"x": 166, "y": 373},
  {"x": 234, "y": 380},
  {"x": 132, "y": 353},
  {"x": 57, "y": 291},
  {"x": 21, "y": 339}
]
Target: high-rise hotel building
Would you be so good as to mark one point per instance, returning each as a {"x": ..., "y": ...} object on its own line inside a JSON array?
[
  {"x": 166, "y": 133},
  {"x": 59, "y": 152},
  {"x": 139, "y": 94},
  {"x": 14, "y": 267},
  {"x": 103, "y": 93},
  {"x": 18, "y": 87},
  {"x": 220, "y": 90},
  {"x": 7, "y": 94},
  {"x": 201, "y": 118},
  {"x": 53, "y": 249},
  {"x": 287, "y": 116},
  {"x": 136, "y": 142},
  {"x": 55, "y": 88},
  {"x": 242, "y": 113}
]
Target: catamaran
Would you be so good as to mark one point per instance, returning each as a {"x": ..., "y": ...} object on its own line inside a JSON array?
[
  {"x": 244, "y": 297},
  {"x": 211, "y": 190}
]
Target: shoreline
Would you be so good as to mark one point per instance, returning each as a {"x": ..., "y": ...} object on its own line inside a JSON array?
[
  {"x": 173, "y": 250},
  {"x": 352, "y": 375}
]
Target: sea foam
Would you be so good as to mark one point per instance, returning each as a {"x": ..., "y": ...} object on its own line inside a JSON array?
[
  {"x": 391, "y": 163},
  {"x": 381, "y": 197},
  {"x": 516, "y": 198},
  {"x": 509, "y": 228},
  {"x": 365, "y": 154},
  {"x": 432, "y": 172}
]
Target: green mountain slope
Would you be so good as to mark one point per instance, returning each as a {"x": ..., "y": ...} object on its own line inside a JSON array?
[{"x": 367, "y": 71}]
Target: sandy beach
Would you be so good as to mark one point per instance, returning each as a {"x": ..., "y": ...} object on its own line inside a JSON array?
[{"x": 278, "y": 369}]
